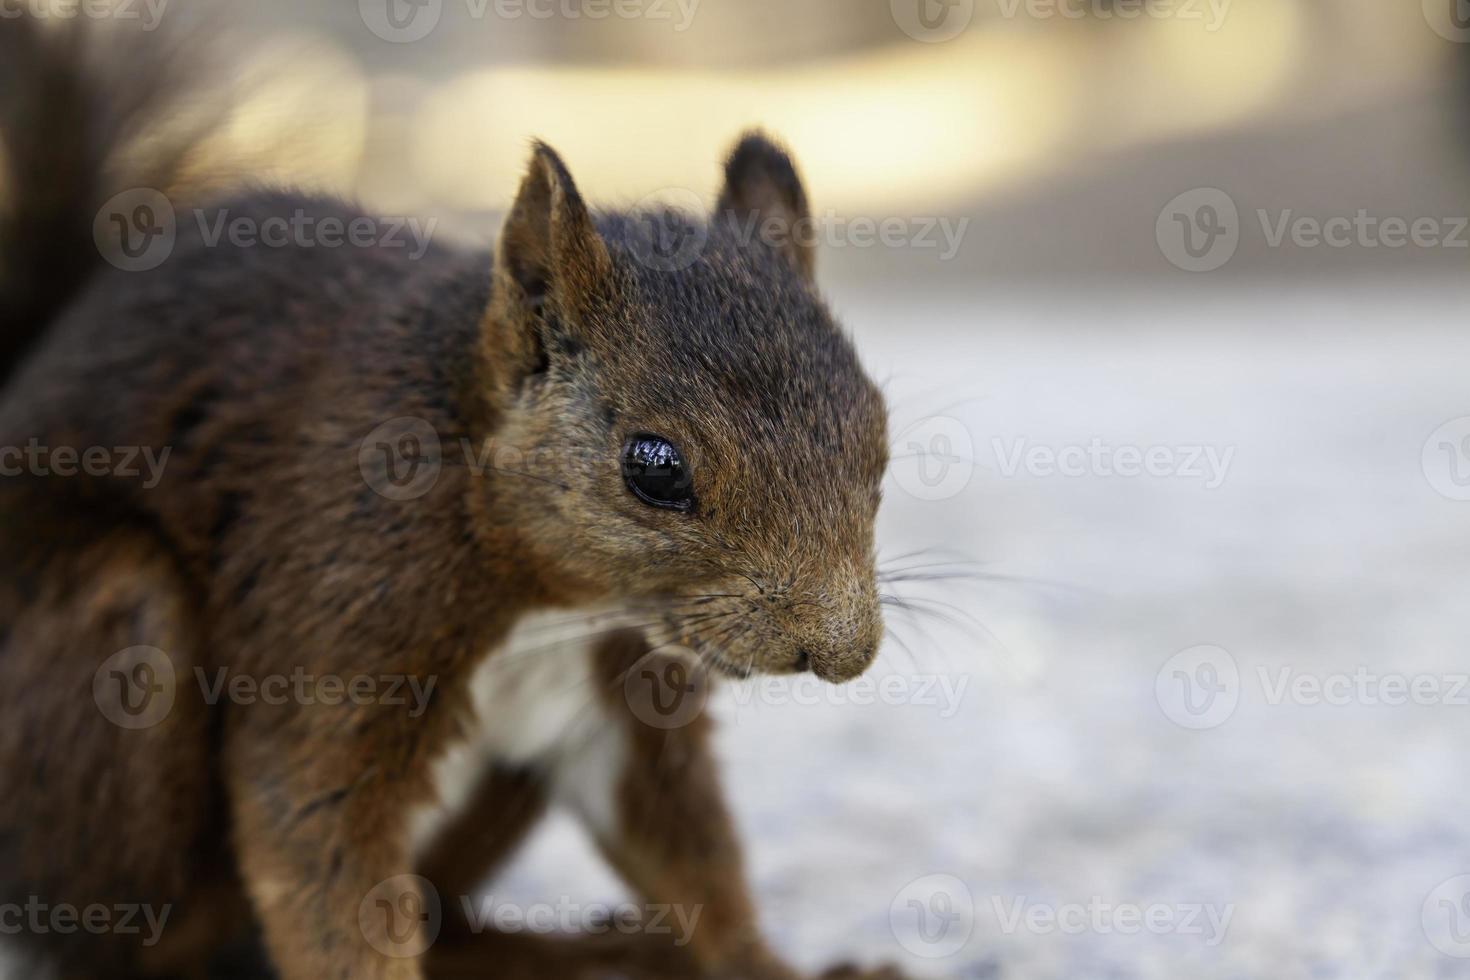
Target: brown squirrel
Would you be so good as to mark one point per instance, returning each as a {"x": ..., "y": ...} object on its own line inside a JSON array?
[{"x": 696, "y": 444}]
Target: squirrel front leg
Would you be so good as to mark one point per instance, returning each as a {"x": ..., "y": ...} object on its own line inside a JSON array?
[
  {"x": 668, "y": 831},
  {"x": 321, "y": 850}
]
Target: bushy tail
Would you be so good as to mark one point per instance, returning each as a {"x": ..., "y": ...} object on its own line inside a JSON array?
[{"x": 77, "y": 125}]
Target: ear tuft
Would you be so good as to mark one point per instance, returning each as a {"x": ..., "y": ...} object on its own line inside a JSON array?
[{"x": 763, "y": 191}]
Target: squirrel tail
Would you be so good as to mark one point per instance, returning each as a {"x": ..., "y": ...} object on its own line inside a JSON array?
[{"x": 69, "y": 110}]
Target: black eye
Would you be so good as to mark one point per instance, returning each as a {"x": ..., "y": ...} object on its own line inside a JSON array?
[{"x": 655, "y": 472}]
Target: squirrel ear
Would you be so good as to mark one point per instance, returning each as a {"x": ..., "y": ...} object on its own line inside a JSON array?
[
  {"x": 549, "y": 248},
  {"x": 763, "y": 195}
]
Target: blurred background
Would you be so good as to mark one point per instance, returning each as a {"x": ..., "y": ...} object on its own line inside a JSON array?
[{"x": 1228, "y": 238}]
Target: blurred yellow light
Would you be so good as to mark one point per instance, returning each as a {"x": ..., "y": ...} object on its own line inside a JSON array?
[
  {"x": 300, "y": 117},
  {"x": 907, "y": 127}
]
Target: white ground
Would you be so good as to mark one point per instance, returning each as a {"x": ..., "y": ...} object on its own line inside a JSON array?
[{"x": 1057, "y": 784}]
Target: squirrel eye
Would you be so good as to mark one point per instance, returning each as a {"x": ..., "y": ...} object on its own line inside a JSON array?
[{"x": 655, "y": 472}]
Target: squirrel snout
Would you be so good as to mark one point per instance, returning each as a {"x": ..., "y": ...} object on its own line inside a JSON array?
[{"x": 837, "y": 662}]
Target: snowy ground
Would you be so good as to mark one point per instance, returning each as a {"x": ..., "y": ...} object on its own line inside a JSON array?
[{"x": 1044, "y": 810}]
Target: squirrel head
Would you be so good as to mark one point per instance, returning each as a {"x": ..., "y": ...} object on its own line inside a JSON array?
[{"x": 688, "y": 426}]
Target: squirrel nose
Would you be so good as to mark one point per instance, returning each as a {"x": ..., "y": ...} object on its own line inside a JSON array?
[{"x": 836, "y": 666}]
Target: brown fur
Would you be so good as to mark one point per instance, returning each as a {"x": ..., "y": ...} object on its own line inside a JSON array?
[{"x": 265, "y": 548}]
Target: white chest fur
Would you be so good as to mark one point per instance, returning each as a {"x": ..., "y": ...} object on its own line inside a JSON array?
[{"x": 539, "y": 703}]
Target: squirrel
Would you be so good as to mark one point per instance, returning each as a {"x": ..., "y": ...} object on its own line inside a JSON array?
[{"x": 695, "y": 444}]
